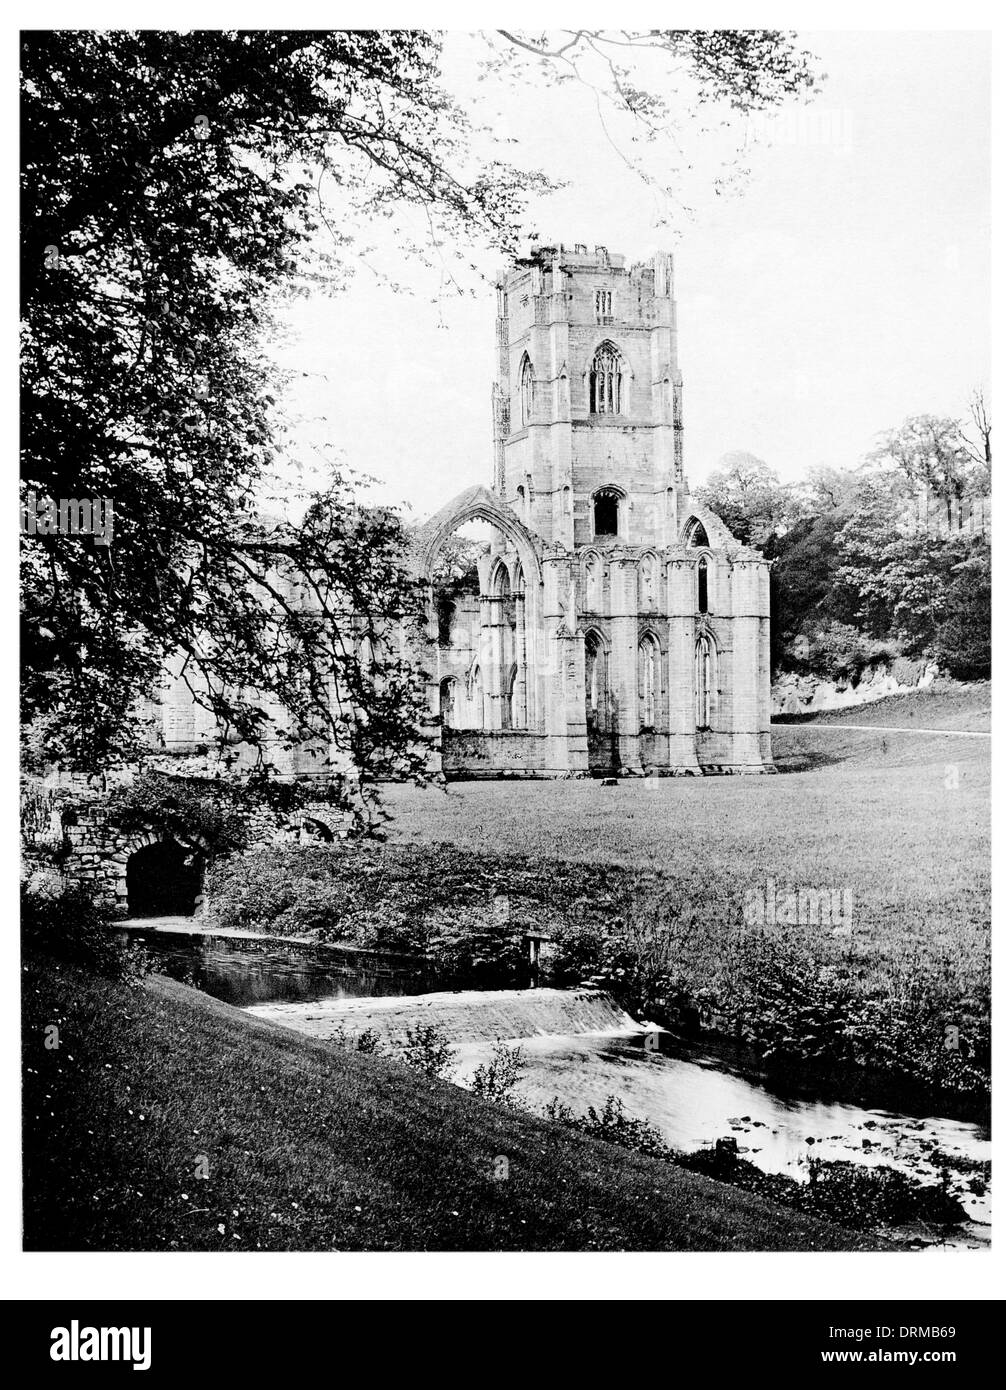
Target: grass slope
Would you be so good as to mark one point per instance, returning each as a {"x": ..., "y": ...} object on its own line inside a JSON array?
[
  {"x": 943, "y": 706},
  {"x": 310, "y": 1148}
]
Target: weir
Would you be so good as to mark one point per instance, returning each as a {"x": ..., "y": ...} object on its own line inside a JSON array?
[{"x": 465, "y": 1016}]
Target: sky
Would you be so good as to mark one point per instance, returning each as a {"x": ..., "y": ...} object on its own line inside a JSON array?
[{"x": 845, "y": 288}]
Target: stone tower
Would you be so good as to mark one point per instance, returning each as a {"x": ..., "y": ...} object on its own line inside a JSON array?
[{"x": 589, "y": 394}]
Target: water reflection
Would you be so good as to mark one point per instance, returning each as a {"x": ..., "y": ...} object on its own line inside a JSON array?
[{"x": 241, "y": 971}]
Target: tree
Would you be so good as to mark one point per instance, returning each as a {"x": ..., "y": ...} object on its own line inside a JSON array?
[
  {"x": 976, "y": 435},
  {"x": 907, "y": 586},
  {"x": 171, "y": 182},
  {"x": 646, "y": 83},
  {"x": 749, "y": 498},
  {"x": 964, "y": 638},
  {"x": 929, "y": 451}
]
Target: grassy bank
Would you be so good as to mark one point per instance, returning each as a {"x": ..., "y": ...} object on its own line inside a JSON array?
[
  {"x": 645, "y": 888},
  {"x": 306, "y": 1147}
]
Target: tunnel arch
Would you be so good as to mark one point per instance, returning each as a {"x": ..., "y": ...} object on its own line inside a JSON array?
[{"x": 164, "y": 878}]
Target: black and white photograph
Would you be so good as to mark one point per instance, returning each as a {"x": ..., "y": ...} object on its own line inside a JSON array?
[{"x": 505, "y": 536}]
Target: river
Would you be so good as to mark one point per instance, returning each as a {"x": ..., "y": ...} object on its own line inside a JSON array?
[{"x": 693, "y": 1095}]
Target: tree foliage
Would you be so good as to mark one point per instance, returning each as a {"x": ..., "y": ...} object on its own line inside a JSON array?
[
  {"x": 931, "y": 452},
  {"x": 171, "y": 183},
  {"x": 750, "y": 499}
]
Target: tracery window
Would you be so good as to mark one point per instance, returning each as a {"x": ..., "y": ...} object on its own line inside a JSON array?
[{"x": 606, "y": 381}]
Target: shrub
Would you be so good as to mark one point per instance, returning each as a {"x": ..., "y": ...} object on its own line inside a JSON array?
[
  {"x": 369, "y": 1041},
  {"x": 497, "y": 1079},
  {"x": 70, "y": 927},
  {"x": 613, "y": 1125},
  {"x": 427, "y": 1048},
  {"x": 217, "y": 813}
]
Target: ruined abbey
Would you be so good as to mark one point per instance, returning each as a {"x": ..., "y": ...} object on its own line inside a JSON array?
[{"x": 616, "y": 626}]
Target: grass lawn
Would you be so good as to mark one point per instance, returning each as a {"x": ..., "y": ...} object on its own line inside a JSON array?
[
  {"x": 310, "y": 1148},
  {"x": 901, "y": 820}
]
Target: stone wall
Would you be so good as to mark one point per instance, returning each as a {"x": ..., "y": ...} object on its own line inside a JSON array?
[{"x": 69, "y": 838}]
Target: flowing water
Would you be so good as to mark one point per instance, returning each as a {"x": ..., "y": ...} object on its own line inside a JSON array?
[{"x": 579, "y": 1048}]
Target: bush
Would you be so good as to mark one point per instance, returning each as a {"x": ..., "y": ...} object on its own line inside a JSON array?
[
  {"x": 612, "y": 1125},
  {"x": 840, "y": 652},
  {"x": 497, "y": 1079},
  {"x": 70, "y": 927},
  {"x": 427, "y": 1048},
  {"x": 369, "y": 1041},
  {"x": 214, "y": 812}
]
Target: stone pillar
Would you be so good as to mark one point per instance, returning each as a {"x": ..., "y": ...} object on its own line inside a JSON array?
[
  {"x": 624, "y": 673},
  {"x": 749, "y": 708},
  {"x": 564, "y": 703},
  {"x": 681, "y": 754},
  {"x": 491, "y": 659}
]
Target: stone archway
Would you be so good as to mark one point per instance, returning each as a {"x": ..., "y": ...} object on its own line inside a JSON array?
[
  {"x": 510, "y": 627},
  {"x": 163, "y": 879}
]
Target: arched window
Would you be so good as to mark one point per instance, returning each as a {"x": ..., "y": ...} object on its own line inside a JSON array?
[
  {"x": 649, "y": 681},
  {"x": 526, "y": 391},
  {"x": 705, "y": 682},
  {"x": 509, "y": 711},
  {"x": 595, "y": 584},
  {"x": 606, "y": 512},
  {"x": 697, "y": 535},
  {"x": 475, "y": 696},
  {"x": 447, "y": 693},
  {"x": 647, "y": 581},
  {"x": 606, "y": 381},
  {"x": 703, "y": 585},
  {"x": 595, "y": 672}
]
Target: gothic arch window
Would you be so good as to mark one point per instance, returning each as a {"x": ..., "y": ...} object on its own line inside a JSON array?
[
  {"x": 647, "y": 581},
  {"x": 499, "y": 583},
  {"x": 509, "y": 710},
  {"x": 697, "y": 535},
  {"x": 596, "y": 680},
  {"x": 705, "y": 681},
  {"x": 475, "y": 696},
  {"x": 649, "y": 681},
  {"x": 606, "y": 505},
  {"x": 595, "y": 583},
  {"x": 526, "y": 391},
  {"x": 448, "y": 693},
  {"x": 606, "y": 381},
  {"x": 703, "y": 584}
]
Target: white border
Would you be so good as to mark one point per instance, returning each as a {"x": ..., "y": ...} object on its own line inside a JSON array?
[{"x": 715, "y": 1277}]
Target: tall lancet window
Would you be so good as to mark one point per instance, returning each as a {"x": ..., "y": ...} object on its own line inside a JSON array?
[
  {"x": 606, "y": 381},
  {"x": 703, "y": 585},
  {"x": 649, "y": 680},
  {"x": 526, "y": 391},
  {"x": 705, "y": 682}
]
